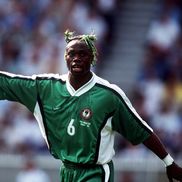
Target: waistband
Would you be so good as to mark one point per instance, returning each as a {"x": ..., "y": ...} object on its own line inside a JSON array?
[{"x": 72, "y": 165}]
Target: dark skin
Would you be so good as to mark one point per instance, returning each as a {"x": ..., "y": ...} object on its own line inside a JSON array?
[
  {"x": 79, "y": 58},
  {"x": 154, "y": 144}
]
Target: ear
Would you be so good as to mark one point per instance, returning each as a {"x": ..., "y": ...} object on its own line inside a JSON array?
[{"x": 65, "y": 54}]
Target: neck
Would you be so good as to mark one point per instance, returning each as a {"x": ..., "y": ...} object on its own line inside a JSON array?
[{"x": 78, "y": 81}]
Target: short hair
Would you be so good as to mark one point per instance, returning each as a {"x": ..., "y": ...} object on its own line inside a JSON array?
[{"x": 88, "y": 39}]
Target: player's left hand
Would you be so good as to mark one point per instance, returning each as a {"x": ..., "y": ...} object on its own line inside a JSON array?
[{"x": 174, "y": 172}]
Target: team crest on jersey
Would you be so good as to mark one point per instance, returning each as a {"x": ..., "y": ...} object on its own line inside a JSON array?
[{"x": 86, "y": 114}]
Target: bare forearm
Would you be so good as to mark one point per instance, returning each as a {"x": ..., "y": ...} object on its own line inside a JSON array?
[{"x": 155, "y": 145}]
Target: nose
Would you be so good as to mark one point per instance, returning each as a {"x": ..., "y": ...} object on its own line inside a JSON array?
[{"x": 76, "y": 58}]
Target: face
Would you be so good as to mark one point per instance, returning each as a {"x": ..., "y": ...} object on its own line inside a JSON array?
[{"x": 78, "y": 57}]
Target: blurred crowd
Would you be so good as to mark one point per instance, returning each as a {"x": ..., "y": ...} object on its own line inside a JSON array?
[
  {"x": 31, "y": 172},
  {"x": 161, "y": 76},
  {"x": 157, "y": 93},
  {"x": 32, "y": 42}
]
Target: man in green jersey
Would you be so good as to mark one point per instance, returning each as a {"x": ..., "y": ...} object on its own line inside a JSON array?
[{"x": 78, "y": 114}]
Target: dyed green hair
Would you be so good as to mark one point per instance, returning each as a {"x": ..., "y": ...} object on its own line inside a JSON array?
[{"x": 88, "y": 39}]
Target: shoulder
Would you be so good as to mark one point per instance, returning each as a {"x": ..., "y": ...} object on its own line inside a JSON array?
[
  {"x": 51, "y": 76},
  {"x": 45, "y": 76},
  {"x": 105, "y": 84}
]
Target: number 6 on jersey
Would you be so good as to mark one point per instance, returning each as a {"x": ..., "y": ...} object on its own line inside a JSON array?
[{"x": 71, "y": 128}]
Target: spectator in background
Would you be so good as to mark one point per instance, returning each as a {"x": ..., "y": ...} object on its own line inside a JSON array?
[
  {"x": 177, "y": 59},
  {"x": 174, "y": 7},
  {"x": 161, "y": 38},
  {"x": 107, "y": 9},
  {"x": 20, "y": 133},
  {"x": 173, "y": 88},
  {"x": 160, "y": 80},
  {"x": 138, "y": 100},
  {"x": 167, "y": 122},
  {"x": 10, "y": 51},
  {"x": 150, "y": 86},
  {"x": 31, "y": 172},
  {"x": 160, "y": 75},
  {"x": 163, "y": 34}
]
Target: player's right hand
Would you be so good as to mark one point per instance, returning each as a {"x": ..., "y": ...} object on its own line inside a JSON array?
[{"x": 174, "y": 172}]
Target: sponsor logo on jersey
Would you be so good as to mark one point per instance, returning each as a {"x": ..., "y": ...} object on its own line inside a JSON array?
[{"x": 86, "y": 114}]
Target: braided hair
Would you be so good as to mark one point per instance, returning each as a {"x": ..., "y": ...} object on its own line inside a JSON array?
[{"x": 88, "y": 39}]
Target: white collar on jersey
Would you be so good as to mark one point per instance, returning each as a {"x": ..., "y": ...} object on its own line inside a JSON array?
[{"x": 86, "y": 87}]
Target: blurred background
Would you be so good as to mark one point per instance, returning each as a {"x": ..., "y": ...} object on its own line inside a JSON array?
[{"x": 140, "y": 50}]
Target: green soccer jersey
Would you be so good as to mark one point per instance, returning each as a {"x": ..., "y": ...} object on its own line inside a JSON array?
[{"x": 77, "y": 125}]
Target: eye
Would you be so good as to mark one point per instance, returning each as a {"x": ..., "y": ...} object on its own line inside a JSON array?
[
  {"x": 82, "y": 54},
  {"x": 71, "y": 53}
]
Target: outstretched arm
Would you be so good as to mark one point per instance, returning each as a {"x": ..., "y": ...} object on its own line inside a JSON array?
[
  {"x": 172, "y": 169},
  {"x": 18, "y": 88}
]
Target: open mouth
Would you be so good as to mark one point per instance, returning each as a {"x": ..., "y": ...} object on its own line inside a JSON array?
[{"x": 77, "y": 68}]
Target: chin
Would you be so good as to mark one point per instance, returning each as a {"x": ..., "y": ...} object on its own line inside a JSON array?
[{"x": 77, "y": 73}]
